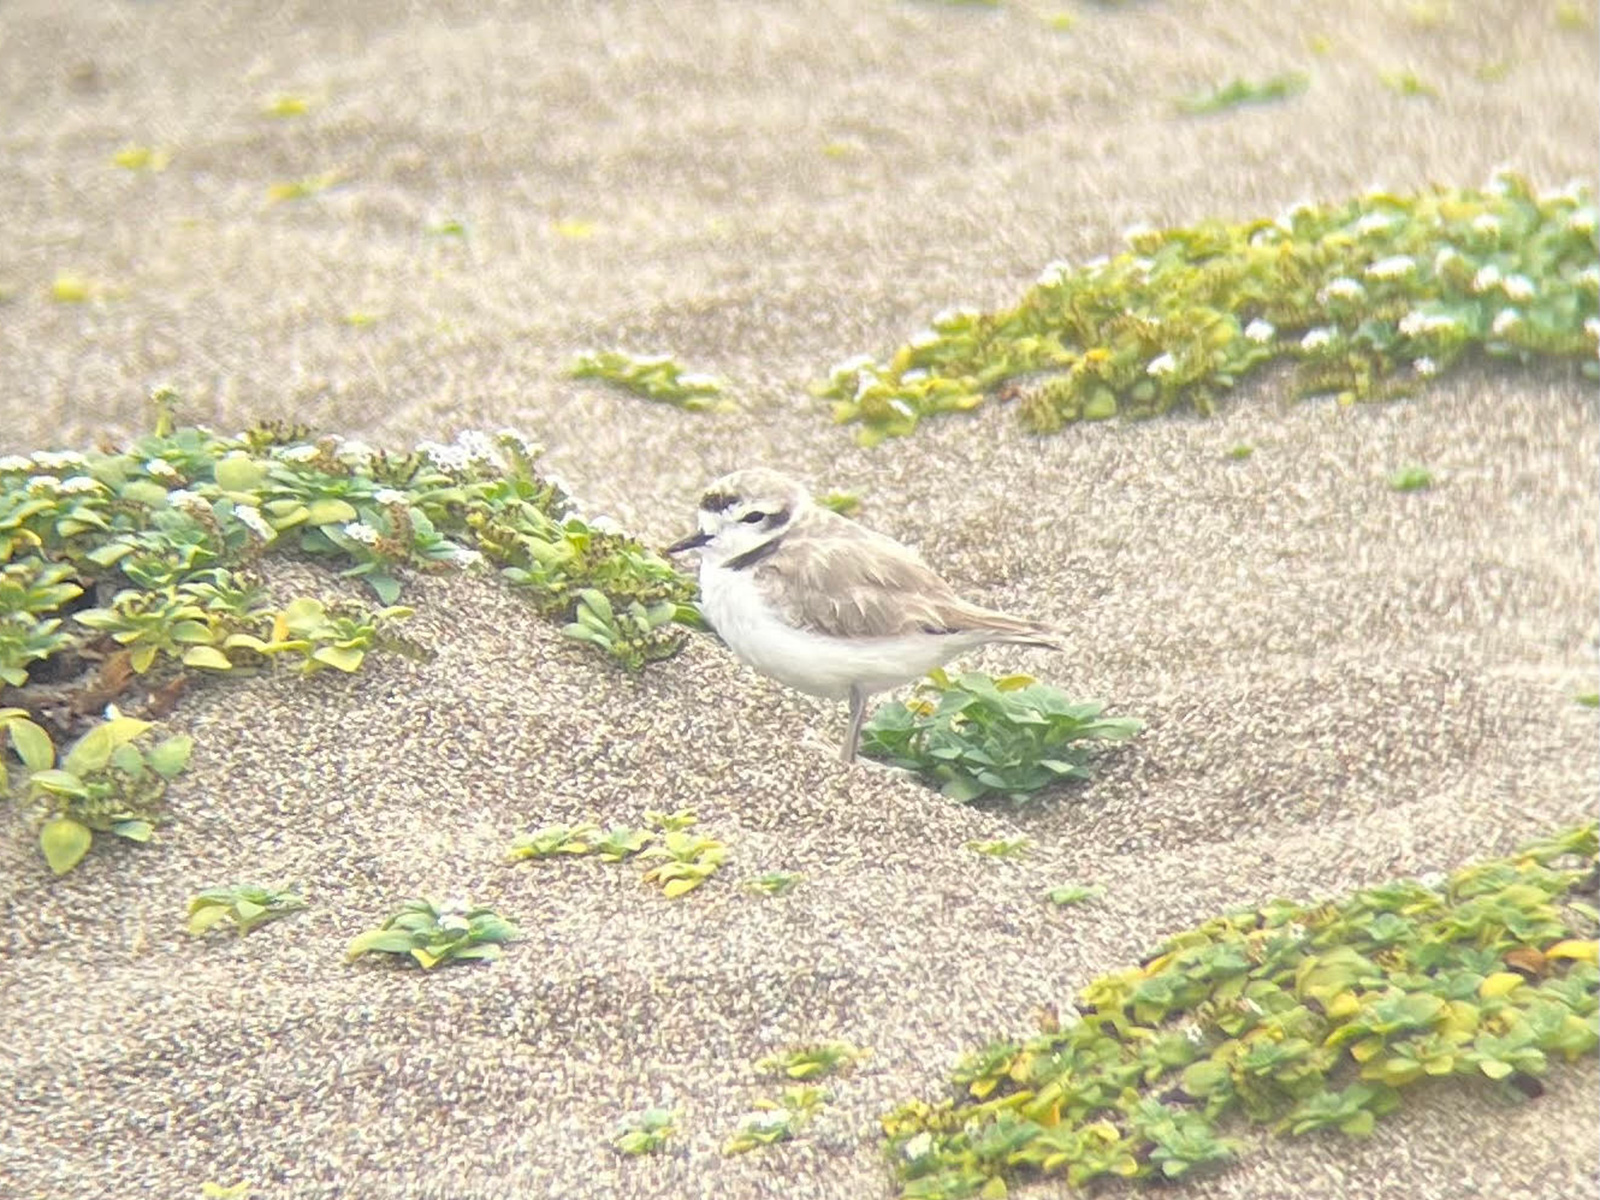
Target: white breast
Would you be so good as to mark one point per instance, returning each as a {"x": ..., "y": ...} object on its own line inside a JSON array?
[{"x": 811, "y": 662}]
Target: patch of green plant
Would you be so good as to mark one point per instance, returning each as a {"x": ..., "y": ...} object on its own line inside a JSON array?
[
  {"x": 775, "y": 883},
  {"x": 1238, "y": 92},
  {"x": 976, "y": 735},
  {"x": 430, "y": 934},
  {"x": 655, "y": 376},
  {"x": 1408, "y": 83},
  {"x": 1411, "y": 479},
  {"x": 668, "y": 822},
  {"x": 210, "y": 1190},
  {"x": 166, "y": 536},
  {"x": 1241, "y": 452},
  {"x": 646, "y": 1132},
  {"x": 633, "y": 637},
  {"x": 286, "y": 104},
  {"x": 1298, "y": 1017},
  {"x": 301, "y": 189},
  {"x": 1588, "y": 699},
  {"x": 110, "y": 780},
  {"x": 684, "y": 861},
  {"x": 1075, "y": 893},
  {"x": 846, "y": 504},
  {"x": 134, "y": 157},
  {"x": 777, "y": 1120},
  {"x": 1365, "y": 297},
  {"x": 552, "y": 841},
  {"x": 813, "y": 1061},
  {"x": 1016, "y": 847},
  {"x": 247, "y": 905}
]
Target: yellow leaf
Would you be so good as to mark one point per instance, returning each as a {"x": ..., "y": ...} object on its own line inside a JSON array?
[
  {"x": 1345, "y": 1004},
  {"x": 1575, "y": 948},
  {"x": 1501, "y": 983},
  {"x": 1366, "y": 1048}
]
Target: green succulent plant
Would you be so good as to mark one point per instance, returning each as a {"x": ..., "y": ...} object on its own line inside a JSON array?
[
  {"x": 1294, "y": 1016},
  {"x": 975, "y": 735},
  {"x": 110, "y": 780},
  {"x": 246, "y": 905},
  {"x": 1367, "y": 298},
  {"x": 430, "y": 934}
]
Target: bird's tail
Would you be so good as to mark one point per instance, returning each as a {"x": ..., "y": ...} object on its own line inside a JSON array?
[{"x": 1017, "y": 631}]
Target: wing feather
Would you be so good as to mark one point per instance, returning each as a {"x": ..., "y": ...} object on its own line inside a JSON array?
[{"x": 834, "y": 577}]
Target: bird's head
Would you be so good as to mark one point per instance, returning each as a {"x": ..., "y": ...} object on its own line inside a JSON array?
[{"x": 742, "y": 512}]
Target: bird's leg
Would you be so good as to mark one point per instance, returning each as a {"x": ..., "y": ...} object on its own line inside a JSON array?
[{"x": 858, "y": 713}]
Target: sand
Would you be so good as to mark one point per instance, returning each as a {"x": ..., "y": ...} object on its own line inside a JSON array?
[{"x": 1341, "y": 684}]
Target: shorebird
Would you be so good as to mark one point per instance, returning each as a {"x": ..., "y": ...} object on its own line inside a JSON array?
[{"x": 825, "y": 605}]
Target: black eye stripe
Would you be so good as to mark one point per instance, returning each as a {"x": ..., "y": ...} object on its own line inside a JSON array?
[{"x": 750, "y": 518}]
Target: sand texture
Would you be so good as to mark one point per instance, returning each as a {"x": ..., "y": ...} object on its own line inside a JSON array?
[{"x": 1341, "y": 683}]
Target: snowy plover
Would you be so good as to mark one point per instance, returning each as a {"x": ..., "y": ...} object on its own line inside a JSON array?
[{"x": 825, "y": 605}]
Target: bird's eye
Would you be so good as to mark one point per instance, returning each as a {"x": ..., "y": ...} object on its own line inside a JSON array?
[{"x": 750, "y": 518}]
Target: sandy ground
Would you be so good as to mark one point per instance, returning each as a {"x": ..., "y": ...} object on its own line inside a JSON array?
[{"x": 1341, "y": 683}]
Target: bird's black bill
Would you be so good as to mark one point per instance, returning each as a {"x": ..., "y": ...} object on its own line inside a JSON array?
[{"x": 693, "y": 542}]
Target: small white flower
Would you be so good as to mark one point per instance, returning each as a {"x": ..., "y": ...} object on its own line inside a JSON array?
[
  {"x": 1582, "y": 221},
  {"x": 297, "y": 454},
  {"x": 79, "y": 484},
  {"x": 915, "y": 375},
  {"x": 1488, "y": 276},
  {"x": 360, "y": 531},
  {"x": 1486, "y": 223},
  {"x": 390, "y": 496},
  {"x": 1392, "y": 267},
  {"x": 1316, "y": 339},
  {"x": 250, "y": 517},
  {"x": 59, "y": 460},
  {"x": 1425, "y": 366},
  {"x": 699, "y": 380},
  {"x": 605, "y": 524},
  {"x": 479, "y": 447},
  {"x": 161, "y": 469},
  {"x": 904, "y": 409},
  {"x": 1518, "y": 287},
  {"x": 1162, "y": 365},
  {"x": 1501, "y": 180},
  {"x": 1054, "y": 272},
  {"x": 916, "y": 1147},
  {"x": 1374, "y": 222},
  {"x": 1414, "y": 323},
  {"x": 1444, "y": 258},
  {"x": 1504, "y": 320},
  {"x": 446, "y": 458},
  {"x": 15, "y": 463},
  {"x": 1260, "y": 331},
  {"x": 1293, "y": 213},
  {"x": 852, "y": 365},
  {"x": 1341, "y": 289},
  {"x": 44, "y": 483},
  {"x": 923, "y": 338}
]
